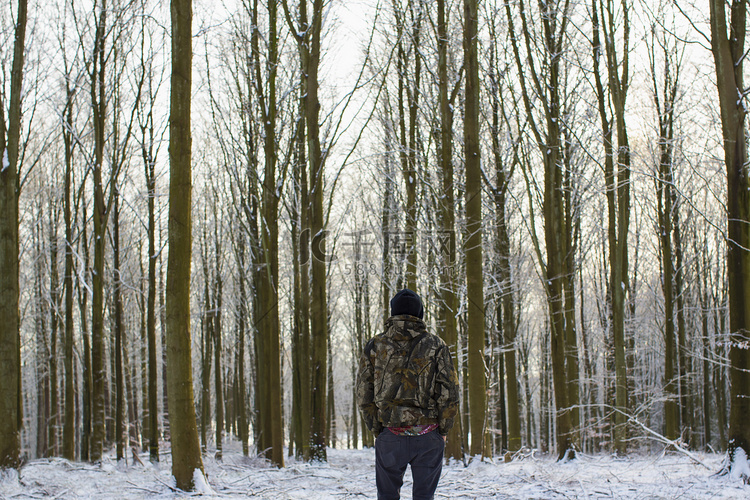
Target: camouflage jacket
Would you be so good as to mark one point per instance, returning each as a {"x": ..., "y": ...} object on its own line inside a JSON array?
[{"x": 406, "y": 377}]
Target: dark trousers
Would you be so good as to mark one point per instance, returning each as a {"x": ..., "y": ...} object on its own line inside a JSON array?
[{"x": 393, "y": 453}]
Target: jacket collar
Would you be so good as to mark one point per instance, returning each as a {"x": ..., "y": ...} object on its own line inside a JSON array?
[{"x": 404, "y": 327}]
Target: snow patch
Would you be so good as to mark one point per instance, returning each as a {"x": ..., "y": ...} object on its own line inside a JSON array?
[
  {"x": 740, "y": 466},
  {"x": 6, "y": 161},
  {"x": 107, "y": 466},
  {"x": 9, "y": 479},
  {"x": 201, "y": 484}
]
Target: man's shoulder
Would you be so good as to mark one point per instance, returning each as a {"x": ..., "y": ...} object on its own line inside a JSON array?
[{"x": 436, "y": 340}]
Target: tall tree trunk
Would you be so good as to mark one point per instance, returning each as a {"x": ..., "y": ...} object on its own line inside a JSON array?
[
  {"x": 242, "y": 311},
  {"x": 683, "y": 354},
  {"x": 207, "y": 343},
  {"x": 618, "y": 191},
  {"x": 728, "y": 50},
  {"x": 11, "y": 398},
  {"x": 506, "y": 310},
  {"x": 83, "y": 294},
  {"x": 619, "y": 188},
  {"x": 143, "y": 351},
  {"x": 571, "y": 211},
  {"x": 448, "y": 299},
  {"x": 119, "y": 333},
  {"x": 301, "y": 387},
  {"x": 216, "y": 330},
  {"x": 310, "y": 48},
  {"x": 152, "y": 406},
  {"x": 69, "y": 429},
  {"x": 132, "y": 423},
  {"x": 664, "y": 97},
  {"x": 410, "y": 85},
  {"x": 703, "y": 294},
  {"x": 42, "y": 354},
  {"x": 269, "y": 328},
  {"x": 163, "y": 323},
  {"x": 474, "y": 278},
  {"x": 54, "y": 320},
  {"x": 186, "y": 453},
  {"x": 99, "y": 371},
  {"x": 331, "y": 403}
]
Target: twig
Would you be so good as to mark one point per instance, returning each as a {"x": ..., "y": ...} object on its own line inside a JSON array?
[
  {"x": 154, "y": 492},
  {"x": 176, "y": 490}
]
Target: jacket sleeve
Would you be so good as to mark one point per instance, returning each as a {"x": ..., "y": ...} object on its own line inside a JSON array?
[
  {"x": 446, "y": 391},
  {"x": 366, "y": 391}
]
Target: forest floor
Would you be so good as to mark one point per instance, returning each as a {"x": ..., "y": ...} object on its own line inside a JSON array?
[{"x": 351, "y": 474}]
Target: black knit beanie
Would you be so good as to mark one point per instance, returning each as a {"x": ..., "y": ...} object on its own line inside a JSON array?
[{"x": 407, "y": 302}]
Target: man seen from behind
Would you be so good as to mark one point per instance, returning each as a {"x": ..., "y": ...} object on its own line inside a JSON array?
[{"x": 407, "y": 390}]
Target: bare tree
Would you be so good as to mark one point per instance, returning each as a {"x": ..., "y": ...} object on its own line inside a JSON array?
[
  {"x": 728, "y": 47},
  {"x": 617, "y": 182},
  {"x": 544, "y": 69},
  {"x": 664, "y": 86}
]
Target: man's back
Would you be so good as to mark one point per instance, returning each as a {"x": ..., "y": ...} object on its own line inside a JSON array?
[{"x": 407, "y": 378}]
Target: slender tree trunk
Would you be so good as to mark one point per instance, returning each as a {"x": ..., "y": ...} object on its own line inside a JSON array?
[
  {"x": 242, "y": 314},
  {"x": 119, "y": 333},
  {"x": 619, "y": 188},
  {"x": 301, "y": 250},
  {"x": 165, "y": 385},
  {"x": 683, "y": 354},
  {"x": 69, "y": 437},
  {"x": 87, "y": 384},
  {"x": 152, "y": 409},
  {"x": 143, "y": 351},
  {"x": 506, "y": 310},
  {"x": 571, "y": 202},
  {"x": 719, "y": 375},
  {"x": 409, "y": 84},
  {"x": 618, "y": 192},
  {"x": 703, "y": 293},
  {"x": 54, "y": 321},
  {"x": 11, "y": 398},
  {"x": 318, "y": 297},
  {"x": 207, "y": 343},
  {"x": 269, "y": 328},
  {"x": 132, "y": 423},
  {"x": 664, "y": 99},
  {"x": 186, "y": 453},
  {"x": 331, "y": 402},
  {"x": 42, "y": 346},
  {"x": 99, "y": 372},
  {"x": 216, "y": 330}
]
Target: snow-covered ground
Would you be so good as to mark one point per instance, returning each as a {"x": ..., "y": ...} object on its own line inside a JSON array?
[{"x": 351, "y": 474}]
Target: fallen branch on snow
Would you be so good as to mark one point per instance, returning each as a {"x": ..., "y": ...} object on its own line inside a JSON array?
[{"x": 667, "y": 441}]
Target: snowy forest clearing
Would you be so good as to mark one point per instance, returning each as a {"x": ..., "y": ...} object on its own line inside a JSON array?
[{"x": 351, "y": 474}]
